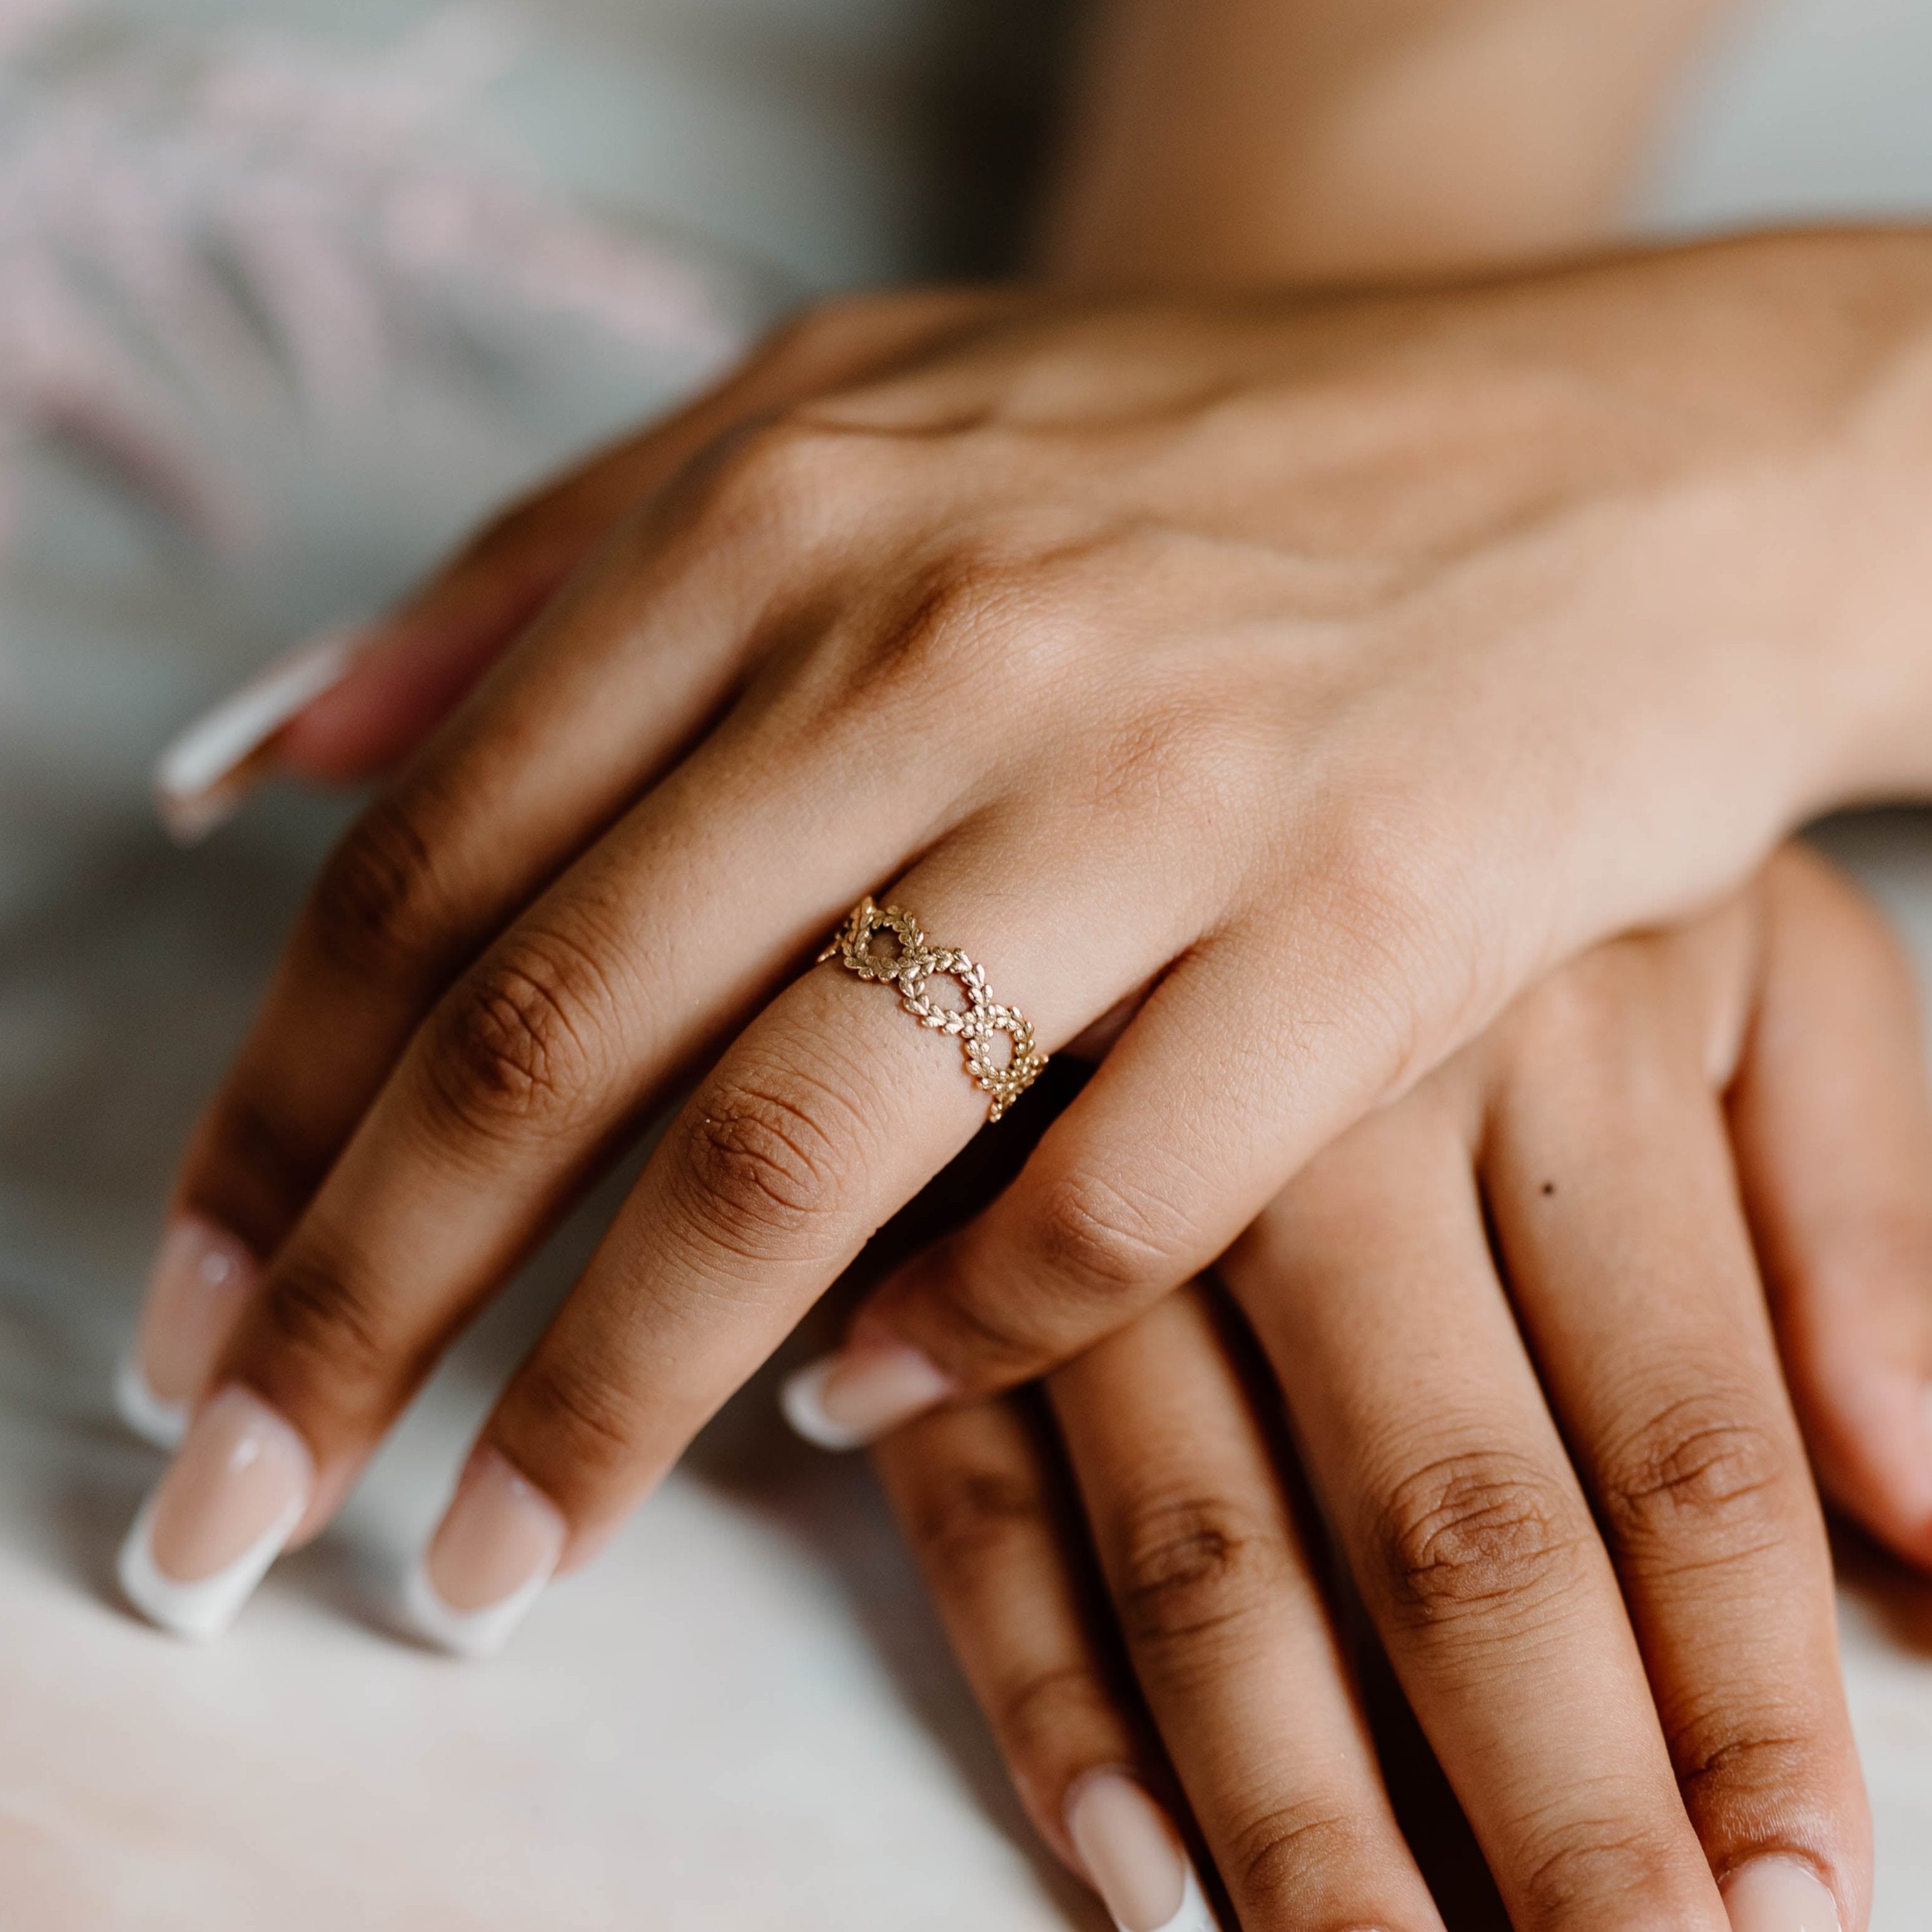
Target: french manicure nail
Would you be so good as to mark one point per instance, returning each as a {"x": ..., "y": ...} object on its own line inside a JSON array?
[
  {"x": 495, "y": 1549},
  {"x": 207, "y": 771},
  {"x": 201, "y": 1276},
  {"x": 845, "y": 1400},
  {"x": 1134, "y": 1856},
  {"x": 1779, "y": 1895},
  {"x": 231, "y": 1499}
]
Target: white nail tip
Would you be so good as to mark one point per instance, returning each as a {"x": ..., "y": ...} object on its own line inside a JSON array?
[
  {"x": 162, "y": 1423},
  {"x": 201, "y": 1610},
  {"x": 190, "y": 792},
  {"x": 472, "y": 1633},
  {"x": 802, "y": 1401},
  {"x": 1195, "y": 1914}
]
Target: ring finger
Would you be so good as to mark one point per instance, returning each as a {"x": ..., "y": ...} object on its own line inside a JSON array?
[{"x": 833, "y": 1109}]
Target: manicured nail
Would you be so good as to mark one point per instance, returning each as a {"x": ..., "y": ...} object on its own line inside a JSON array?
[
  {"x": 1779, "y": 1895},
  {"x": 1135, "y": 1857},
  {"x": 494, "y": 1550},
  {"x": 206, "y": 773},
  {"x": 230, "y": 1499},
  {"x": 201, "y": 1276},
  {"x": 846, "y": 1400}
]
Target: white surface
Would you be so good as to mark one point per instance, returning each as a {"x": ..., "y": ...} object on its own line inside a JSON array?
[{"x": 742, "y": 1720}]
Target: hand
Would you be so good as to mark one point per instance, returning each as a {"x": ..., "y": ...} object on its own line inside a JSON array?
[
  {"x": 1525, "y": 1361},
  {"x": 1132, "y": 647}
]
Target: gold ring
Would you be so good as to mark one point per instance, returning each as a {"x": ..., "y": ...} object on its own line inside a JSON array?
[{"x": 910, "y": 966}]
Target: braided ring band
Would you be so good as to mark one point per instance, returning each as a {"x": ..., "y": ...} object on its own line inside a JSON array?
[{"x": 911, "y": 966}]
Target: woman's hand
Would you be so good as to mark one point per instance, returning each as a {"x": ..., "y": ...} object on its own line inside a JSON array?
[
  {"x": 1527, "y": 1364},
  {"x": 1330, "y": 668}
]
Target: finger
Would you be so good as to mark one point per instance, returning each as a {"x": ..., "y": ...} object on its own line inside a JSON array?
[
  {"x": 831, "y": 1111},
  {"x": 971, "y": 1489},
  {"x": 402, "y": 905},
  {"x": 1209, "y": 1099},
  {"x": 623, "y": 672},
  {"x": 1229, "y": 1635},
  {"x": 1834, "y": 1136},
  {"x": 1370, "y": 1286},
  {"x": 1610, "y": 1186}
]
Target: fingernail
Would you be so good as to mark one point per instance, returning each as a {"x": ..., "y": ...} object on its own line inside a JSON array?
[
  {"x": 1134, "y": 1856},
  {"x": 1779, "y": 1895},
  {"x": 846, "y": 1400},
  {"x": 494, "y": 1550},
  {"x": 205, "y": 774},
  {"x": 230, "y": 1499},
  {"x": 201, "y": 1276}
]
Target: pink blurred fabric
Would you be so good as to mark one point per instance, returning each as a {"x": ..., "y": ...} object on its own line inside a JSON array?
[{"x": 192, "y": 225}]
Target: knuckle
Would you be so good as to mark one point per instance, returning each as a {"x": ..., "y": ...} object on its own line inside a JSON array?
[
  {"x": 1041, "y": 1712},
  {"x": 1406, "y": 945},
  {"x": 1289, "y": 1854},
  {"x": 582, "y": 1415},
  {"x": 1194, "y": 1567},
  {"x": 516, "y": 1044},
  {"x": 1744, "y": 1764},
  {"x": 1601, "y": 1014},
  {"x": 326, "y": 1315},
  {"x": 1699, "y": 1476},
  {"x": 265, "y": 1166},
  {"x": 1095, "y": 1239},
  {"x": 1474, "y": 1532},
  {"x": 974, "y": 1309},
  {"x": 377, "y": 910},
  {"x": 770, "y": 1156},
  {"x": 972, "y": 1523},
  {"x": 983, "y": 610},
  {"x": 785, "y": 478},
  {"x": 1597, "y": 1864}
]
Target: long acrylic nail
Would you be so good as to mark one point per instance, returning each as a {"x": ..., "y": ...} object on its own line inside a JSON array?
[
  {"x": 1775, "y": 1894},
  {"x": 495, "y": 1549},
  {"x": 202, "y": 1276},
  {"x": 1134, "y": 1856},
  {"x": 231, "y": 1499},
  {"x": 846, "y": 1400},
  {"x": 207, "y": 771}
]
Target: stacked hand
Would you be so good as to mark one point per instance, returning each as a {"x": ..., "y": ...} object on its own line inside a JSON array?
[{"x": 1266, "y": 692}]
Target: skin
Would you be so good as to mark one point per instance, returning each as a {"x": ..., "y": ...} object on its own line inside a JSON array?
[
  {"x": 1210, "y": 1587},
  {"x": 1041, "y": 632},
  {"x": 1564, "y": 1473},
  {"x": 516, "y": 566}
]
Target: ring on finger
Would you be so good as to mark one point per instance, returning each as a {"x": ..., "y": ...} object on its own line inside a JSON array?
[{"x": 911, "y": 967}]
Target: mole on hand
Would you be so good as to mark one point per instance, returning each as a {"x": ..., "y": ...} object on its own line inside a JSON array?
[{"x": 1550, "y": 1187}]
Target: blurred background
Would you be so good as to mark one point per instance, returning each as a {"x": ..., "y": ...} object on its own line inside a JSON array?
[{"x": 290, "y": 294}]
